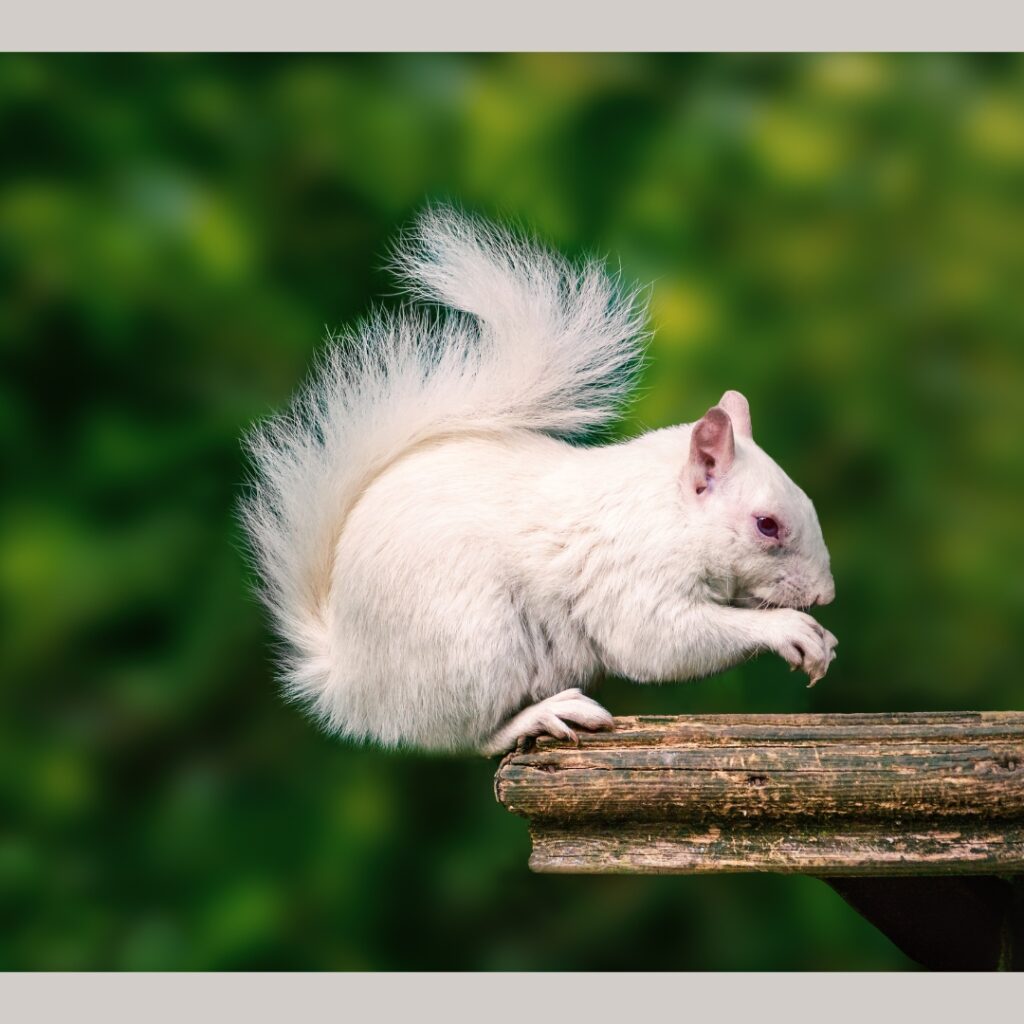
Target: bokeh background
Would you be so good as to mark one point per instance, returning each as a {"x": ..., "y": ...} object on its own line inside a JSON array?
[{"x": 841, "y": 237}]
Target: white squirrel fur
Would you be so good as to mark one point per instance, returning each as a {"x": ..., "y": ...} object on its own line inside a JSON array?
[{"x": 449, "y": 570}]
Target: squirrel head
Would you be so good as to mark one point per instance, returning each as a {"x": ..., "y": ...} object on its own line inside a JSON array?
[{"x": 767, "y": 543}]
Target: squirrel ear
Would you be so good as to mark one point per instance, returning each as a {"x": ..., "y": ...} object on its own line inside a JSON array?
[
  {"x": 738, "y": 409},
  {"x": 712, "y": 448}
]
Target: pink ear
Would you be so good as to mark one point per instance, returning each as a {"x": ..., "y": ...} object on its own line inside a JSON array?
[
  {"x": 738, "y": 409},
  {"x": 712, "y": 448}
]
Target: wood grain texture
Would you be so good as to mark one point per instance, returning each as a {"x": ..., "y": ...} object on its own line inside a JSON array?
[{"x": 818, "y": 794}]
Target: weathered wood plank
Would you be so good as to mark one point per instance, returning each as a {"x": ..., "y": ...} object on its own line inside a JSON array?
[
  {"x": 768, "y": 787},
  {"x": 675, "y": 730},
  {"x": 717, "y": 849},
  {"x": 820, "y": 794}
]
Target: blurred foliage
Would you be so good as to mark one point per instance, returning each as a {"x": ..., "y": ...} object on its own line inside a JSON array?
[{"x": 840, "y": 237}]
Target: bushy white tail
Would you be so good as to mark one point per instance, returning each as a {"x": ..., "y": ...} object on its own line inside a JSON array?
[{"x": 545, "y": 347}]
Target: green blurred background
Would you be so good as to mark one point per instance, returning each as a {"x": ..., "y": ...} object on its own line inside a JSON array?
[{"x": 840, "y": 237}]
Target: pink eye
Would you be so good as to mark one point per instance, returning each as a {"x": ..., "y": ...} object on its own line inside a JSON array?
[{"x": 767, "y": 526}]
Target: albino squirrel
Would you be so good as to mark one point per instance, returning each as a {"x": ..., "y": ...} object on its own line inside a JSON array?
[{"x": 449, "y": 570}]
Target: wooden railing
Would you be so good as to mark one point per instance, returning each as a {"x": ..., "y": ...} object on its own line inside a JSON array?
[{"x": 903, "y": 814}]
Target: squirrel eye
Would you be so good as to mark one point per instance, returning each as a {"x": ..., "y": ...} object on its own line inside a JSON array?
[{"x": 767, "y": 526}]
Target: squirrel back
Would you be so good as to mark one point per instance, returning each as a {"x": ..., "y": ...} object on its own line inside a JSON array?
[{"x": 524, "y": 341}]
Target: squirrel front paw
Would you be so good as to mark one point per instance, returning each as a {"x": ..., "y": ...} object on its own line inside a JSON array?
[{"x": 802, "y": 642}]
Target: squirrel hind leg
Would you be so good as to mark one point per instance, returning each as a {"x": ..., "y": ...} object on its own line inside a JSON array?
[{"x": 553, "y": 716}]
